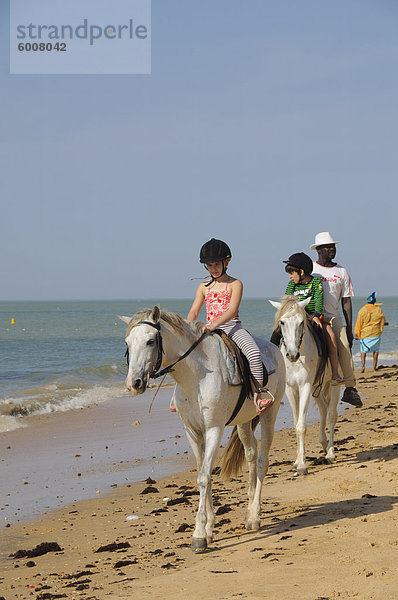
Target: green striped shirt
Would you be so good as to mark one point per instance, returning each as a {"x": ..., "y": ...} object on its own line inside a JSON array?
[{"x": 313, "y": 290}]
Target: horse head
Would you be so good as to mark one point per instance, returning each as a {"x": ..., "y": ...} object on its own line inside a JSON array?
[
  {"x": 144, "y": 348},
  {"x": 291, "y": 319}
]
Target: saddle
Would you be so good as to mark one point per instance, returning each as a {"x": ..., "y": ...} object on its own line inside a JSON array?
[{"x": 239, "y": 372}]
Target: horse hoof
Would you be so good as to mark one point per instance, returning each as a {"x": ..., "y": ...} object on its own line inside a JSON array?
[
  {"x": 330, "y": 456},
  {"x": 209, "y": 539},
  {"x": 253, "y": 525},
  {"x": 302, "y": 471},
  {"x": 199, "y": 544}
]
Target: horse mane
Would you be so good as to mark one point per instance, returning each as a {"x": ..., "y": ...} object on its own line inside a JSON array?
[
  {"x": 174, "y": 320},
  {"x": 290, "y": 304}
]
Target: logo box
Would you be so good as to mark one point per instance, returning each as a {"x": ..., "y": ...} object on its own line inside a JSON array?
[{"x": 76, "y": 37}]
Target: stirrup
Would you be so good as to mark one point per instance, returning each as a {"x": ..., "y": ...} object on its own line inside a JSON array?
[
  {"x": 268, "y": 405},
  {"x": 317, "y": 391}
]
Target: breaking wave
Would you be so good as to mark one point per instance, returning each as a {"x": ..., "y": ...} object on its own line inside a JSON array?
[{"x": 80, "y": 388}]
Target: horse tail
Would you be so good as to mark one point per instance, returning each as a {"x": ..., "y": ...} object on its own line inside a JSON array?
[{"x": 234, "y": 454}]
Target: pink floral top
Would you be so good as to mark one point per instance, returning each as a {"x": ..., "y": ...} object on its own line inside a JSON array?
[{"x": 217, "y": 302}]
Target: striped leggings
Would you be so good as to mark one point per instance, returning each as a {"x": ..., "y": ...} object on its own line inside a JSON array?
[{"x": 246, "y": 343}]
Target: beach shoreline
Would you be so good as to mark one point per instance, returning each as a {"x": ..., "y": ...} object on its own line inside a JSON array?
[
  {"x": 329, "y": 534},
  {"x": 93, "y": 448},
  {"x": 63, "y": 457}
]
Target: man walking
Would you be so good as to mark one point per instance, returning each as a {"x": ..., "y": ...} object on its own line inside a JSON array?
[{"x": 337, "y": 287}]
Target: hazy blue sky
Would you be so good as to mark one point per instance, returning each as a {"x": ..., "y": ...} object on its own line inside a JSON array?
[{"x": 262, "y": 123}]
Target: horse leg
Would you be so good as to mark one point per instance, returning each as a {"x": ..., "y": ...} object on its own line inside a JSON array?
[
  {"x": 197, "y": 444},
  {"x": 334, "y": 399},
  {"x": 210, "y": 515},
  {"x": 293, "y": 396},
  {"x": 267, "y": 422},
  {"x": 321, "y": 401},
  {"x": 205, "y": 515},
  {"x": 246, "y": 436},
  {"x": 301, "y": 428}
]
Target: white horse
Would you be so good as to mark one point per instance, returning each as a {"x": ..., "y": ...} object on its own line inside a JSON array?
[
  {"x": 301, "y": 356},
  {"x": 205, "y": 403}
]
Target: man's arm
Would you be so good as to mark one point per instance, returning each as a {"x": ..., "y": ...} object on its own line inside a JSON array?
[{"x": 346, "y": 305}]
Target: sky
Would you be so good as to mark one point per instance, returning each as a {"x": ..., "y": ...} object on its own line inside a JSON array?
[{"x": 262, "y": 123}]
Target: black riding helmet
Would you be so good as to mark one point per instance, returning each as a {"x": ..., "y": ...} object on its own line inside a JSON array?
[
  {"x": 299, "y": 260},
  {"x": 214, "y": 251}
]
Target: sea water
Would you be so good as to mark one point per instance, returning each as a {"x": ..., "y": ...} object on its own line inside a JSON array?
[{"x": 59, "y": 356}]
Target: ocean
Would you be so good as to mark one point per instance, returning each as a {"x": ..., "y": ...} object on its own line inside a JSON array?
[{"x": 60, "y": 356}]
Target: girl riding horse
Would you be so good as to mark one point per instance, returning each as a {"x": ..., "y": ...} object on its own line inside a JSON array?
[{"x": 222, "y": 295}]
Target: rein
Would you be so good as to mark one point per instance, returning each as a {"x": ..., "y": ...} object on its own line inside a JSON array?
[{"x": 155, "y": 373}]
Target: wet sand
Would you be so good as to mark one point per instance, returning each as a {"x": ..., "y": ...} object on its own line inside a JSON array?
[
  {"x": 63, "y": 457},
  {"x": 330, "y": 535},
  {"x": 69, "y": 456}
]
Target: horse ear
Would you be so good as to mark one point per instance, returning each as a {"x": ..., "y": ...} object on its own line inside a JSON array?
[
  {"x": 124, "y": 319},
  {"x": 303, "y": 303},
  {"x": 277, "y": 305},
  {"x": 155, "y": 314}
]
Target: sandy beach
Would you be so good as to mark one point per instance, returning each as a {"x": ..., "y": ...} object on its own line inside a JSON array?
[
  {"x": 65, "y": 457},
  {"x": 329, "y": 535}
]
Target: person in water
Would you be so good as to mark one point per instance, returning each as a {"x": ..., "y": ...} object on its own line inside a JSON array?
[
  {"x": 303, "y": 285},
  {"x": 222, "y": 295}
]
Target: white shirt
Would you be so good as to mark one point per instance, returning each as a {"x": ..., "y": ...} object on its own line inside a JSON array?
[{"x": 336, "y": 285}]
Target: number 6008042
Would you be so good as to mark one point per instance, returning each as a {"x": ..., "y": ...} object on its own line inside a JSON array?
[{"x": 42, "y": 47}]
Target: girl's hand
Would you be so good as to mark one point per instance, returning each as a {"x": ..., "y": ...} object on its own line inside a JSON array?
[
  {"x": 317, "y": 321},
  {"x": 208, "y": 328}
]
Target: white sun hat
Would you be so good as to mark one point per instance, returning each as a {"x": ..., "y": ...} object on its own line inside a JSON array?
[{"x": 323, "y": 238}]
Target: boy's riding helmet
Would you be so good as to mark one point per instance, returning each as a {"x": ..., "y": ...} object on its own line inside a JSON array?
[
  {"x": 299, "y": 260},
  {"x": 214, "y": 251}
]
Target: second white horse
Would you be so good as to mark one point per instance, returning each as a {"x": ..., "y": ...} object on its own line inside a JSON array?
[{"x": 301, "y": 356}]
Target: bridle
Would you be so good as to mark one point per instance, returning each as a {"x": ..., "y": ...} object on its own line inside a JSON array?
[
  {"x": 300, "y": 338},
  {"x": 159, "y": 347},
  {"x": 155, "y": 373}
]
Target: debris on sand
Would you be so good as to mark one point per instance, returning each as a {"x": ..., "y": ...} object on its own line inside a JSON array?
[
  {"x": 150, "y": 490},
  {"x": 183, "y": 527},
  {"x": 39, "y": 550},
  {"x": 223, "y": 509},
  {"x": 124, "y": 563},
  {"x": 113, "y": 547}
]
